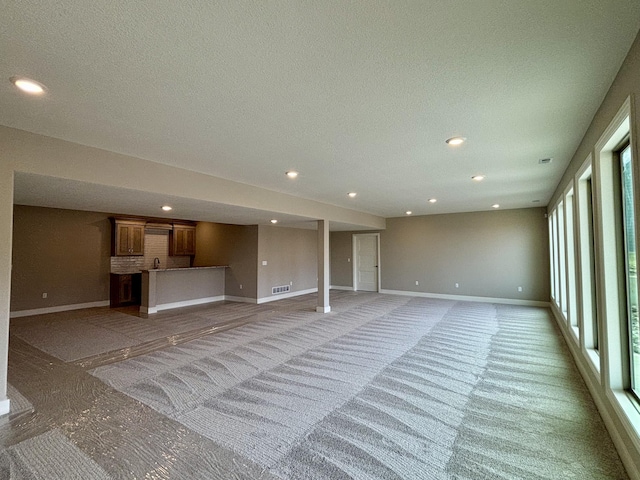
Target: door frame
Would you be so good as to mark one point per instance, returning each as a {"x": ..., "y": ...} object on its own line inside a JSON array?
[{"x": 355, "y": 259}]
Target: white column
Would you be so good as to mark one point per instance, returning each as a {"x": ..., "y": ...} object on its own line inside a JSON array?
[
  {"x": 6, "y": 237},
  {"x": 323, "y": 267}
]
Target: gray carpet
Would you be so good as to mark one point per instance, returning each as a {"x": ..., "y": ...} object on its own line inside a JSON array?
[
  {"x": 75, "y": 335},
  {"x": 393, "y": 387}
]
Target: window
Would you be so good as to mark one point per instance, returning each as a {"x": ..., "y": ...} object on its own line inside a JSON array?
[
  {"x": 572, "y": 315},
  {"x": 554, "y": 257},
  {"x": 562, "y": 274},
  {"x": 587, "y": 280},
  {"x": 590, "y": 239},
  {"x": 631, "y": 277}
]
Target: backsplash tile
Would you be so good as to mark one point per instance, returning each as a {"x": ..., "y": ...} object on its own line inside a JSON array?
[{"x": 156, "y": 245}]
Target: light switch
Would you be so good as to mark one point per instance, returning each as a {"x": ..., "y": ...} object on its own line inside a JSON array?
[{"x": 264, "y": 262}]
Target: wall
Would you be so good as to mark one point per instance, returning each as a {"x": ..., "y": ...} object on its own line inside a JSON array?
[
  {"x": 232, "y": 245},
  {"x": 620, "y": 414},
  {"x": 291, "y": 256},
  {"x": 341, "y": 252},
  {"x": 64, "y": 253},
  {"x": 489, "y": 254}
]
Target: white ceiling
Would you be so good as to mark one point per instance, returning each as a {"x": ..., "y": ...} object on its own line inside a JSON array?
[{"x": 357, "y": 96}]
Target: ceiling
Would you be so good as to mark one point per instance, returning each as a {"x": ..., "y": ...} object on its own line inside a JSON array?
[{"x": 357, "y": 96}]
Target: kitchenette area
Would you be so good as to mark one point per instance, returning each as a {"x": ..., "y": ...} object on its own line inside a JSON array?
[{"x": 152, "y": 266}]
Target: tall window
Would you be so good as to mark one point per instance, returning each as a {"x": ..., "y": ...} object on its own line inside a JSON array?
[
  {"x": 592, "y": 263},
  {"x": 562, "y": 278},
  {"x": 629, "y": 227},
  {"x": 570, "y": 257},
  {"x": 554, "y": 258}
]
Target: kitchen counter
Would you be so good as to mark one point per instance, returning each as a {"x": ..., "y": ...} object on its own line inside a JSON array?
[
  {"x": 184, "y": 268},
  {"x": 166, "y": 288}
]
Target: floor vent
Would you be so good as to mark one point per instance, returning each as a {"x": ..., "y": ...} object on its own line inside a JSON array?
[{"x": 281, "y": 289}]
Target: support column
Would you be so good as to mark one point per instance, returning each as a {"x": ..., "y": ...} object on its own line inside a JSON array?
[
  {"x": 6, "y": 238},
  {"x": 323, "y": 267}
]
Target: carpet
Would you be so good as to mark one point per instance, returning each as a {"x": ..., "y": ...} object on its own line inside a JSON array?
[{"x": 393, "y": 387}]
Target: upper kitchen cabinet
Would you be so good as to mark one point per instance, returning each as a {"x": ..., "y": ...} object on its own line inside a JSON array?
[
  {"x": 127, "y": 237},
  {"x": 182, "y": 240}
]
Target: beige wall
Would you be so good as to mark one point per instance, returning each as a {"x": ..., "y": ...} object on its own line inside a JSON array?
[
  {"x": 64, "y": 253},
  {"x": 6, "y": 241},
  {"x": 291, "y": 256},
  {"x": 232, "y": 245},
  {"x": 626, "y": 83},
  {"x": 489, "y": 254},
  {"x": 341, "y": 251}
]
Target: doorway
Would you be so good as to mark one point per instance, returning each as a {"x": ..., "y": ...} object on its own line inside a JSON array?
[{"x": 366, "y": 261}]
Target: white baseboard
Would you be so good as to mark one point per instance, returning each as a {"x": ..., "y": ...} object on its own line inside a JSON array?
[
  {"x": 232, "y": 298},
  {"x": 610, "y": 404},
  {"x": 273, "y": 298},
  {"x": 187, "y": 303},
  {"x": 339, "y": 287},
  {"x": 468, "y": 298},
  {"x": 5, "y": 406},
  {"x": 323, "y": 309},
  {"x": 59, "y": 308}
]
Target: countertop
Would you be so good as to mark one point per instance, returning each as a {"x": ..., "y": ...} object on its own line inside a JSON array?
[{"x": 184, "y": 268}]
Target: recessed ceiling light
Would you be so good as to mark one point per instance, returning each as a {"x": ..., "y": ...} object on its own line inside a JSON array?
[
  {"x": 495, "y": 205},
  {"x": 27, "y": 85},
  {"x": 292, "y": 174},
  {"x": 478, "y": 178},
  {"x": 352, "y": 194},
  {"x": 408, "y": 212},
  {"x": 455, "y": 140},
  {"x": 433, "y": 200},
  {"x": 166, "y": 208},
  {"x": 274, "y": 221}
]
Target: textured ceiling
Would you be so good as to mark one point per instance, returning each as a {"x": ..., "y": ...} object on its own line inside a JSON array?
[{"x": 357, "y": 96}]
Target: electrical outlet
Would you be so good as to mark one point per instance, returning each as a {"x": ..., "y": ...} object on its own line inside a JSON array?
[
  {"x": 44, "y": 295},
  {"x": 240, "y": 286},
  {"x": 457, "y": 285},
  {"x": 519, "y": 289},
  {"x": 417, "y": 282},
  {"x": 348, "y": 260},
  {"x": 264, "y": 263},
  {"x": 291, "y": 283}
]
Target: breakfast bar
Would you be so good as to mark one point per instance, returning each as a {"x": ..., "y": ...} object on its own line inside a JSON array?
[{"x": 163, "y": 289}]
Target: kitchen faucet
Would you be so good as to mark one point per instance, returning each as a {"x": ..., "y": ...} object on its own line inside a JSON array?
[{"x": 156, "y": 262}]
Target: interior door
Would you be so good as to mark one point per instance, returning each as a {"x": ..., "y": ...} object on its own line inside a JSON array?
[{"x": 366, "y": 257}]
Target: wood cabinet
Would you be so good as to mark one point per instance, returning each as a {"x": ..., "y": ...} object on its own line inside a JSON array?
[
  {"x": 128, "y": 237},
  {"x": 125, "y": 289},
  {"x": 182, "y": 240}
]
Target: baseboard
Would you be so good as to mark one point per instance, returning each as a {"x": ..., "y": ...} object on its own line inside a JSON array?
[
  {"x": 187, "y": 303},
  {"x": 604, "y": 404},
  {"x": 56, "y": 309},
  {"x": 339, "y": 287},
  {"x": 233, "y": 298},
  {"x": 468, "y": 298},
  {"x": 5, "y": 406},
  {"x": 273, "y": 298}
]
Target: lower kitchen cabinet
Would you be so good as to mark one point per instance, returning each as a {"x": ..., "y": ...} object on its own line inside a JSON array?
[{"x": 125, "y": 289}]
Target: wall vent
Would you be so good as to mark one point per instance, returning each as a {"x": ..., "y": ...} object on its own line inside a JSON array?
[
  {"x": 280, "y": 289},
  {"x": 545, "y": 161}
]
